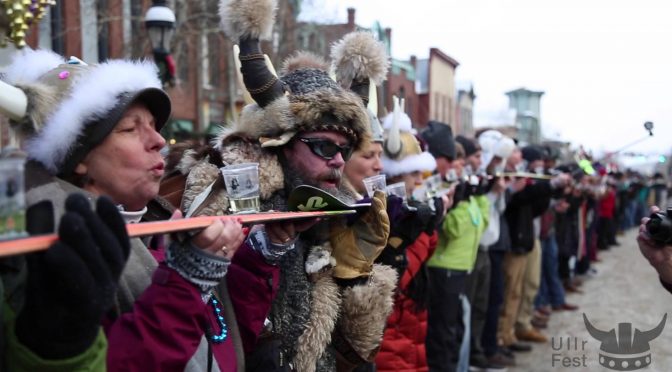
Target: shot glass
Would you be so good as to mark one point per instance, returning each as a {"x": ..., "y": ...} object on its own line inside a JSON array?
[
  {"x": 397, "y": 189},
  {"x": 374, "y": 183},
  {"x": 12, "y": 199},
  {"x": 242, "y": 184}
]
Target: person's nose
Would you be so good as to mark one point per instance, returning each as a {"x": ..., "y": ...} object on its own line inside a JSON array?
[
  {"x": 378, "y": 165},
  {"x": 337, "y": 161},
  {"x": 155, "y": 140}
]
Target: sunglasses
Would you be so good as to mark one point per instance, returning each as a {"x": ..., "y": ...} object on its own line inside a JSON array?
[{"x": 327, "y": 149}]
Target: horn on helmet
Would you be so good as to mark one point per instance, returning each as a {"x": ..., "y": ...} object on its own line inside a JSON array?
[
  {"x": 13, "y": 101},
  {"x": 247, "y": 22},
  {"x": 393, "y": 145},
  {"x": 655, "y": 332},
  {"x": 597, "y": 334},
  {"x": 360, "y": 63}
]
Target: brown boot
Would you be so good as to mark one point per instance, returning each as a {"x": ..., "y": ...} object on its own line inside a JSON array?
[{"x": 531, "y": 335}]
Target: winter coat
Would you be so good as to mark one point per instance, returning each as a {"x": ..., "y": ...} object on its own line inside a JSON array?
[
  {"x": 524, "y": 206},
  {"x": 606, "y": 206},
  {"x": 165, "y": 328},
  {"x": 460, "y": 234},
  {"x": 403, "y": 347},
  {"x": 316, "y": 323},
  {"x": 161, "y": 319}
]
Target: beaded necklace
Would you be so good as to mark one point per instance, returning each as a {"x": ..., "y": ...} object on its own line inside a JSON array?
[{"x": 221, "y": 337}]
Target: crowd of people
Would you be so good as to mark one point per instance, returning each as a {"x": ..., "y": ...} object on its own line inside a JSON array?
[{"x": 460, "y": 274}]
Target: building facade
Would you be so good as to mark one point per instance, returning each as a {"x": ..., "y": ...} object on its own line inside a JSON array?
[
  {"x": 435, "y": 87},
  {"x": 464, "y": 110},
  {"x": 527, "y": 104},
  {"x": 206, "y": 94}
]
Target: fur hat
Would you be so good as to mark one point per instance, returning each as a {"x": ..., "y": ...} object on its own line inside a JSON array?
[
  {"x": 303, "y": 99},
  {"x": 402, "y": 151},
  {"x": 72, "y": 106}
]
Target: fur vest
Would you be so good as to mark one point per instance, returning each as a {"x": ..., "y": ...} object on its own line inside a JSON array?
[{"x": 320, "y": 324}]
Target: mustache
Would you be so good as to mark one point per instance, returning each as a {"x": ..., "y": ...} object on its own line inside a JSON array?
[{"x": 332, "y": 175}]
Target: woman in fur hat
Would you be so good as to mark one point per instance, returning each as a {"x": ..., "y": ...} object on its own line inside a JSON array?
[{"x": 94, "y": 130}]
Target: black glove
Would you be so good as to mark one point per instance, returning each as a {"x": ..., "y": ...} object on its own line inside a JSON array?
[
  {"x": 461, "y": 193},
  {"x": 437, "y": 216},
  {"x": 72, "y": 285}
]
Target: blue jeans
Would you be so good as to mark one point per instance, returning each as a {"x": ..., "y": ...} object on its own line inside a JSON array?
[{"x": 551, "y": 291}]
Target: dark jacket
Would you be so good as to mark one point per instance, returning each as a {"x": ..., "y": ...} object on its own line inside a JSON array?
[{"x": 521, "y": 211}]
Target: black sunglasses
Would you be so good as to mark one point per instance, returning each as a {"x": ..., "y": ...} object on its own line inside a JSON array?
[{"x": 327, "y": 149}]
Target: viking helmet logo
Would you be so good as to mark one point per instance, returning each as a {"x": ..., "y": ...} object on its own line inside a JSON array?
[{"x": 621, "y": 350}]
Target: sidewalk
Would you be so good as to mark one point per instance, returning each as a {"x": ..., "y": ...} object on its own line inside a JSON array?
[{"x": 625, "y": 289}]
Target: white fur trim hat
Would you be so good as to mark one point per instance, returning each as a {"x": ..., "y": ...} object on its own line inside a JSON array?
[
  {"x": 410, "y": 157},
  {"x": 72, "y": 106}
]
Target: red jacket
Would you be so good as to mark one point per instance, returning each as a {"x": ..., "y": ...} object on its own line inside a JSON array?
[
  {"x": 169, "y": 319},
  {"x": 403, "y": 346},
  {"x": 607, "y": 205}
]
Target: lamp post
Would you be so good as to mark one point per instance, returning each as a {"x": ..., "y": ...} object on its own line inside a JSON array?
[{"x": 160, "y": 24}]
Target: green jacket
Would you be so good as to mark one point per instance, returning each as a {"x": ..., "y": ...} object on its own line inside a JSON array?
[
  {"x": 459, "y": 235},
  {"x": 18, "y": 358},
  {"x": 14, "y": 356}
]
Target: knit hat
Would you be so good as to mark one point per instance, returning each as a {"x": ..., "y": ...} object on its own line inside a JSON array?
[
  {"x": 439, "y": 138},
  {"x": 532, "y": 153},
  {"x": 72, "y": 106},
  {"x": 304, "y": 98},
  {"x": 470, "y": 146},
  {"x": 402, "y": 151}
]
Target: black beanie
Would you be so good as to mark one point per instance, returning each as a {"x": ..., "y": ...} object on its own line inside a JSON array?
[
  {"x": 532, "y": 153},
  {"x": 439, "y": 138},
  {"x": 469, "y": 145}
]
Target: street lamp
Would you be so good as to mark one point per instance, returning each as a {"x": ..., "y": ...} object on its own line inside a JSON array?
[{"x": 160, "y": 24}]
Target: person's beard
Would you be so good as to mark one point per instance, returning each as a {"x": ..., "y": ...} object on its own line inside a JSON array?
[{"x": 295, "y": 177}]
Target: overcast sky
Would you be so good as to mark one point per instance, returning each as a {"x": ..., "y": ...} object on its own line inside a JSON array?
[{"x": 605, "y": 65}]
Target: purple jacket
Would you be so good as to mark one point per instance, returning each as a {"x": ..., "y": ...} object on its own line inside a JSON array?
[{"x": 169, "y": 319}]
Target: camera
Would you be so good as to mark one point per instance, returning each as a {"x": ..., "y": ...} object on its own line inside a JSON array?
[{"x": 659, "y": 227}]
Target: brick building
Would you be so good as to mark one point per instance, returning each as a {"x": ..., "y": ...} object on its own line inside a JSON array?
[
  {"x": 435, "y": 86},
  {"x": 206, "y": 93}
]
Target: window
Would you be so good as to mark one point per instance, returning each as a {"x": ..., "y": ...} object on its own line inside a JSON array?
[
  {"x": 57, "y": 34},
  {"x": 214, "y": 59},
  {"x": 103, "y": 30}
]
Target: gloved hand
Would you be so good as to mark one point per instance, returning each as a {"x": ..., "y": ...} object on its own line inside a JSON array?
[
  {"x": 356, "y": 246},
  {"x": 395, "y": 211},
  {"x": 71, "y": 285}
]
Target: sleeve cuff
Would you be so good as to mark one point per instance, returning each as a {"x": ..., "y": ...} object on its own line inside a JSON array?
[
  {"x": 22, "y": 359},
  {"x": 196, "y": 266}
]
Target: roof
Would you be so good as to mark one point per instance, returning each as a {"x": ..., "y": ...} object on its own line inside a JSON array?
[
  {"x": 524, "y": 90},
  {"x": 398, "y": 66},
  {"x": 437, "y": 52}
]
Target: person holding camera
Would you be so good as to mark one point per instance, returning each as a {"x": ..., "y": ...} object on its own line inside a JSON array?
[{"x": 655, "y": 248}]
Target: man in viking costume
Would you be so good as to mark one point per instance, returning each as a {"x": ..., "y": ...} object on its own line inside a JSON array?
[{"x": 332, "y": 302}]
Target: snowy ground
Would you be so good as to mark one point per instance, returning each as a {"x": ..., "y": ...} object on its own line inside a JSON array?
[{"x": 625, "y": 289}]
